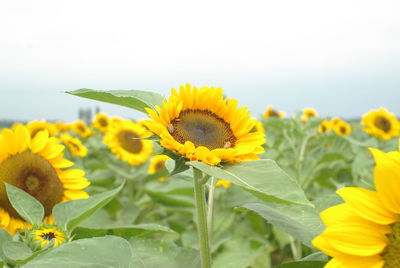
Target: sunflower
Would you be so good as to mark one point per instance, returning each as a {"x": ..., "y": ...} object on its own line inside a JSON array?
[
  {"x": 61, "y": 126},
  {"x": 325, "y": 126},
  {"x": 74, "y": 145},
  {"x": 80, "y": 128},
  {"x": 342, "y": 128},
  {"x": 126, "y": 140},
  {"x": 308, "y": 113},
  {"x": 365, "y": 230},
  {"x": 224, "y": 183},
  {"x": 101, "y": 122},
  {"x": 270, "y": 112},
  {"x": 203, "y": 126},
  {"x": 35, "y": 165},
  {"x": 381, "y": 123},
  {"x": 157, "y": 163},
  {"x": 35, "y": 126},
  {"x": 335, "y": 120},
  {"x": 43, "y": 235}
]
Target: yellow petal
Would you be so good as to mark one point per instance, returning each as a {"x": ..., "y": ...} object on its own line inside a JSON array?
[
  {"x": 366, "y": 203},
  {"x": 350, "y": 261},
  {"x": 357, "y": 238},
  {"x": 387, "y": 178},
  {"x": 338, "y": 214}
]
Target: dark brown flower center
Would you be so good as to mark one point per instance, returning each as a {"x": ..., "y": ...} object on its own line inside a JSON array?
[
  {"x": 343, "y": 130},
  {"x": 160, "y": 165},
  {"x": 73, "y": 145},
  {"x": 48, "y": 236},
  {"x": 382, "y": 123},
  {"x": 129, "y": 141},
  {"x": 81, "y": 128},
  {"x": 273, "y": 113},
  {"x": 391, "y": 254},
  {"x": 202, "y": 128},
  {"x": 103, "y": 122},
  {"x": 33, "y": 174}
]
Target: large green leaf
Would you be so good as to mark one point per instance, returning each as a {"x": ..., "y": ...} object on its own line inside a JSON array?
[
  {"x": 173, "y": 192},
  {"x": 99, "y": 252},
  {"x": 15, "y": 251},
  {"x": 263, "y": 178},
  {"x": 135, "y": 99},
  {"x": 70, "y": 214},
  {"x": 301, "y": 222},
  {"x": 26, "y": 205},
  {"x": 154, "y": 254},
  {"x": 4, "y": 237},
  {"x": 302, "y": 264}
]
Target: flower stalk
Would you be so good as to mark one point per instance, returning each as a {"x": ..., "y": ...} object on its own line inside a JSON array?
[{"x": 202, "y": 229}]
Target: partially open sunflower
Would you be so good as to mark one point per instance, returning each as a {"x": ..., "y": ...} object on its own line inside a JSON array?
[
  {"x": 202, "y": 125},
  {"x": 271, "y": 112},
  {"x": 381, "y": 123},
  {"x": 35, "y": 165},
  {"x": 308, "y": 113},
  {"x": 125, "y": 140}
]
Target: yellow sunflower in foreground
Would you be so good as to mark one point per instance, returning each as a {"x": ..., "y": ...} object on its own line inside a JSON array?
[
  {"x": 203, "y": 126},
  {"x": 101, "y": 122},
  {"x": 365, "y": 230},
  {"x": 126, "y": 140},
  {"x": 381, "y": 123},
  {"x": 270, "y": 112},
  {"x": 36, "y": 126},
  {"x": 74, "y": 145},
  {"x": 80, "y": 128},
  {"x": 35, "y": 165},
  {"x": 325, "y": 126},
  {"x": 308, "y": 113},
  {"x": 342, "y": 128}
]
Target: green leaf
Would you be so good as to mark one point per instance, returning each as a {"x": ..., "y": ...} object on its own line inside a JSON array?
[
  {"x": 302, "y": 264},
  {"x": 172, "y": 192},
  {"x": 16, "y": 251},
  {"x": 26, "y": 205},
  {"x": 125, "y": 231},
  {"x": 135, "y": 99},
  {"x": 101, "y": 252},
  {"x": 70, "y": 214},
  {"x": 301, "y": 222},
  {"x": 154, "y": 254},
  {"x": 4, "y": 237},
  {"x": 263, "y": 178},
  {"x": 176, "y": 166}
]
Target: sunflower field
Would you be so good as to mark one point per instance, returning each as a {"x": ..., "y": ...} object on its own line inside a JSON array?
[{"x": 200, "y": 183}]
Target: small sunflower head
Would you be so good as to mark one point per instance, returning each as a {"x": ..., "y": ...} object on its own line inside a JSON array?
[
  {"x": 74, "y": 145},
  {"x": 325, "y": 126},
  {"x": 101, "y": 122},
  {"x": 80, "y": 128},
  {"x": 61, "y": 126},
  {"x": 39, "y": 237},
  {"x": 308, "y": 113},
  {"x": 270, "y": 112},
  {"x": 381, "y": 123},
  {"x": 157, "y": 163},
  {"x": 342, "y": 128},
  {"x": 223, "y": 183}
]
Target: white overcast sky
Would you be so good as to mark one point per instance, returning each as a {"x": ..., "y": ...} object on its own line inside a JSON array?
[{"x": 341, "y": 57}]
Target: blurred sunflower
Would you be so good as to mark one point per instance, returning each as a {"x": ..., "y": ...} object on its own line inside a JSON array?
[
  {"x": 223, "y": 183},
  {"x": 308, "y": 113},
  {"x": 381, "y": 123},
  {"x": 270, "y": 112},
  {"x": 80, "y": 128},
  {"x": 342, "y": 128},
  {"x": 365, "y": 230},
  {"x": 36, "y": 166},
  {"x": 101, "y": 122},
  {"x": 325, "y": 126},
  {"x": 36, "y": 126},
  {"x": 203, "y": 126},
  {"x": 61, "y": 126},
  {"x": 74, "y": 145},
  {"x": 157, "y": 164},
  {"x": 335, "y": 120},
  {"x": 124, "y": 140}
]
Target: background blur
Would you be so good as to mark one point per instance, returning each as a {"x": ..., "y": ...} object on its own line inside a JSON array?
[{"x": 340, "y": 57}]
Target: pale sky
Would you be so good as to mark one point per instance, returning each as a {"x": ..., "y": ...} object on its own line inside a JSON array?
[{"x": 341, "y": 57}]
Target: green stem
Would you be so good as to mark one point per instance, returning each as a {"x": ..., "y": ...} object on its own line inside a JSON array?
[
  {"x": 201, "y": 218},
  {"x": 295, "y": 249},
  {"x": 300, "y": 158},
  {"x": 210, "y": 210}
]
